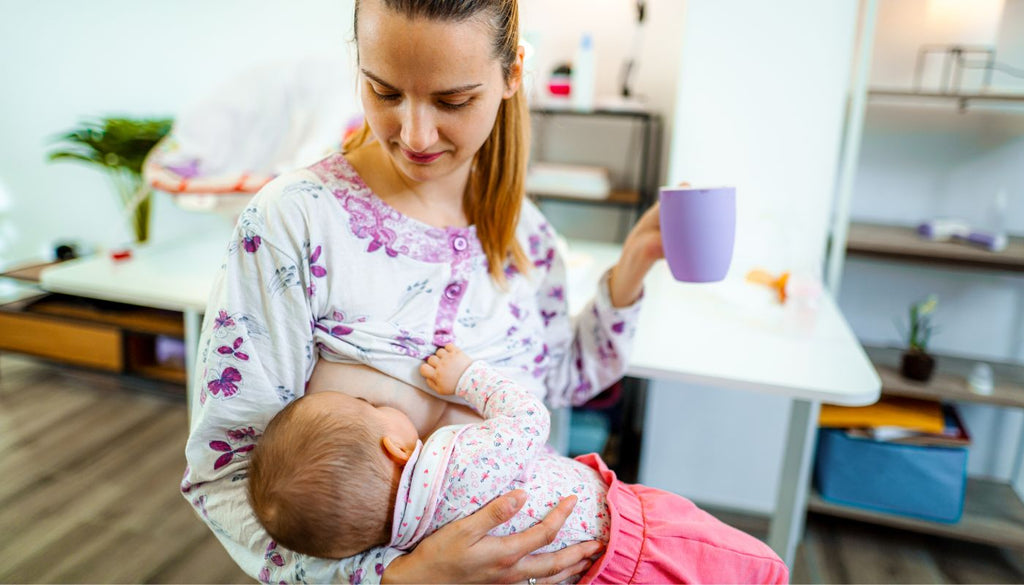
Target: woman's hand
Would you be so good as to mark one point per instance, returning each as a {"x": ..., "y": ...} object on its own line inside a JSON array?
[
  {"x": 462, "y": 552},
  {"x": 640, "y": 251}
]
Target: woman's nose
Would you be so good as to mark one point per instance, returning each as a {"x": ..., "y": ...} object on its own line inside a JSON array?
[{"x": 419, "y": 132}]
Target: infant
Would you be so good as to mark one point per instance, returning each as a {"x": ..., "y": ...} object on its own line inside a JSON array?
[{"x": 334, "y": 475}]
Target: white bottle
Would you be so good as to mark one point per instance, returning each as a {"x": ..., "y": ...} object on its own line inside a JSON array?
[{"x": 584, "y": 75}]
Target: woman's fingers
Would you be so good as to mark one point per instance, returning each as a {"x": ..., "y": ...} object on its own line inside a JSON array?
[
  {"x": 577, "y": 569},
  {"x": 555, "y": 567},
  {"x": 544, "y": 532},
  {"x": 497, "y": 512}
]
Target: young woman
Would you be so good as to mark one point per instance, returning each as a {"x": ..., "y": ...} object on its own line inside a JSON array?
[{"x": 416, "y": 236}]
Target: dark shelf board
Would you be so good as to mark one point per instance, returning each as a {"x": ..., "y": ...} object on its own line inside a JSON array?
[
  {"x": 903, "y": 243},
  {"x": 950, "y": 379},
  {"x": 623, "y": 197},
  {"x": 909, "y": 93},
  {"x": 993, "y": 514}
]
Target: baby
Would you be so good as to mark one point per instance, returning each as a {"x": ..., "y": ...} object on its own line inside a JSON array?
[{"x": 334, "y": 475}]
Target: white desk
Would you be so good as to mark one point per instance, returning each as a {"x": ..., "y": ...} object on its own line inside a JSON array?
[
  {"x": 736, "y": 335},
  {"x": 687, "y": 333},
  {"x": 176, "y": 276}
]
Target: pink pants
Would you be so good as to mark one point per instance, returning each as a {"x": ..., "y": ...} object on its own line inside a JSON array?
[{"x": 660, "y": 537}]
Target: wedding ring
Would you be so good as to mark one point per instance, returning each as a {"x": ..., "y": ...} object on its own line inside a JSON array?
[{"x": 532, "y": 581}]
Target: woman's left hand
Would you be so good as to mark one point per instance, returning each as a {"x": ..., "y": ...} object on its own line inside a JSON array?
[{"x": 640, "y": 251}]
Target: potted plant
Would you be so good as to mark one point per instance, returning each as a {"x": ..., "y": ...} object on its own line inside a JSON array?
[
  {"x": 119, "y": 146},
  {"x": 917, "y": 364}
]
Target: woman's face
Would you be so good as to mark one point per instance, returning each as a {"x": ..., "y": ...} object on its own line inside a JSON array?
[{"x": 430, "y": 89}]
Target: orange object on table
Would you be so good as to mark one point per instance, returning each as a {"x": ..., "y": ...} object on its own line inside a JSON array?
[{"x": 778, "y": 283}]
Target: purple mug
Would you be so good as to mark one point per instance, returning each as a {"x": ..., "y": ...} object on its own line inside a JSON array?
[{"x": 698, "y": 229}]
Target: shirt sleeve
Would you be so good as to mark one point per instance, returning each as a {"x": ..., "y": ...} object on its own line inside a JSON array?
[
  {"x": 587, "y": 352},
  {"x": 490, "y": 455},
  {"x": 255, "y": 354}
]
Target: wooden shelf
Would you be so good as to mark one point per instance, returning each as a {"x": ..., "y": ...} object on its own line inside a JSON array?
[
  {"x": 624, "y": 197},
  {"x": 899, "y": 242},
  {"x": 127, "y": 317},
  {"x": 962, "y": 98},
  {"x": 993, "y": 514},
  {"x": 950, "y": 379}
]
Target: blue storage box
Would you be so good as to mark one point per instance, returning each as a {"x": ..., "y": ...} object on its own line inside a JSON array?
[{"x": 926, "y": 482}]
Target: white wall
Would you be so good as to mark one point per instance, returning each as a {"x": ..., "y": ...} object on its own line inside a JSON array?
[
  {"x": 64, "y": 61},
  {"x": 760, "y": 106},
  {"x": 77, "y": 60}
]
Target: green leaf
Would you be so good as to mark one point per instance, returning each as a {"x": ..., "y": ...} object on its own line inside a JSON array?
[{"x": 112, "y": 142}]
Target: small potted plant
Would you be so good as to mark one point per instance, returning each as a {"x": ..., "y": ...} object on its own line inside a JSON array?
[
  {"x": 119, "y": 146},
  {"x": 917, "y": 364}
]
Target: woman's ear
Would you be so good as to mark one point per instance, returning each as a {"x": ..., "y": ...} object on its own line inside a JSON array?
[
  {"x": 515, "y": 75},
  {"x": 395, "y": 452}
]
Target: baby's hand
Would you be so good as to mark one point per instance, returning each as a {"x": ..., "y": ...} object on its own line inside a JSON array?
[{"x": 444, "y": 368}]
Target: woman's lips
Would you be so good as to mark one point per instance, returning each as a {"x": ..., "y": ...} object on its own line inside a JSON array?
[{"x": 421, "y": 158}]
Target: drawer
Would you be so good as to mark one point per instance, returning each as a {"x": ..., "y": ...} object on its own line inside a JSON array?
[{"x": 84, "y": 344}]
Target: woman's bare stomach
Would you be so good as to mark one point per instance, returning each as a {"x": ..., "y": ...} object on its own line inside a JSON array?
[{"x": 426, "y": 411}]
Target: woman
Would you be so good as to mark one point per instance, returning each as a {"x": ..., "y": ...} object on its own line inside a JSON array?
[{"x": 415, "y": 237}]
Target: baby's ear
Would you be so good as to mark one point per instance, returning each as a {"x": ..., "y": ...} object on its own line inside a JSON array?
[{"x": 396, "y": 452}]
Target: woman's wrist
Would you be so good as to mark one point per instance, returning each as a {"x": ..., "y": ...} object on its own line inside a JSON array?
[
  {"x": 400, "y": 571},
  {"x": 626, "y": 281}
]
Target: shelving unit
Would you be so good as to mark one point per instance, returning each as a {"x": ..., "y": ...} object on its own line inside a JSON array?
[
  {"x": 993, "y": 513},
  {"x": 642, "y": 190}
]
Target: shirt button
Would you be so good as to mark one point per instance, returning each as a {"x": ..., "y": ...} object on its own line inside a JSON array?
[
  {"x": 453, "y": 290},
  {"x": 459, "y": 243}
]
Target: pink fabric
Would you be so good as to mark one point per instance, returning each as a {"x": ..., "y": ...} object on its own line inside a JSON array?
[{"x": 660, "y": 537}]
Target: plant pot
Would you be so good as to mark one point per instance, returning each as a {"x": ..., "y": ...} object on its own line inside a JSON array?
[{"x": 917, "y": 365}]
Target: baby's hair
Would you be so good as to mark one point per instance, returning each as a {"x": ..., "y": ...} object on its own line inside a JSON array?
[{"x": 319, "y": 484}]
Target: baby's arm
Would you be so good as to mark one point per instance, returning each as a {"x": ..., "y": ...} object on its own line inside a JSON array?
[{"x": 508, "y": 407}]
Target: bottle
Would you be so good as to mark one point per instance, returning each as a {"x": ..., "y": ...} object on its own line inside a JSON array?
[{"x": 584, "y": 75}]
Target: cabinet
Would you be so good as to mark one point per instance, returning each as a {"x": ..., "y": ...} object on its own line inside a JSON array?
[
  {"x": 626, "y": 141},
  {"x": 993, "y": 511},
  {"x": 101, "y": 335}
]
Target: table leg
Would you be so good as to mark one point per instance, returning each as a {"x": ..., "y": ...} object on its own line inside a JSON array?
[
  {"x": 791, "y": 504},
  {"x": 192, "y": 324}
]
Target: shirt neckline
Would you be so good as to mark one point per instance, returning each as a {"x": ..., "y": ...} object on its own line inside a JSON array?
[{"x": 371, "y": 195}]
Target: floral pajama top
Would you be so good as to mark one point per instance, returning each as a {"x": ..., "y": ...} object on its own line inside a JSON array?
[{"x": 319, "y": 267}]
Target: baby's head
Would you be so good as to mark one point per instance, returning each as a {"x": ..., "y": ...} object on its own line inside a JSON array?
[{"x": 323, "y": 477}]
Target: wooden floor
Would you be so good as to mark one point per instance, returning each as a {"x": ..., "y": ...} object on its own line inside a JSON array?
[{"x": 89, "y": 473}]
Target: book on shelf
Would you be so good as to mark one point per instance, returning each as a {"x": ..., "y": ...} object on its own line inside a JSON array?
[{"x": 954, "y": 432}]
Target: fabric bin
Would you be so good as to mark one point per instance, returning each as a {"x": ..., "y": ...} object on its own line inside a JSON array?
[{"x": 926, "y": 482}]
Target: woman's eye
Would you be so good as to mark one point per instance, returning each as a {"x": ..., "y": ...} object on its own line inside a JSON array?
[
  {"x": 455, "y": 105},
  {"x": 386, "y": 97}
]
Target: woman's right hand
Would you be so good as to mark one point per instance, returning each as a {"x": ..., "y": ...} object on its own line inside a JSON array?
[{"x": 463, "y": 552}]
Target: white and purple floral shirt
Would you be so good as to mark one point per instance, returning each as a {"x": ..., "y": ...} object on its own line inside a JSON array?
[
  {"x": 461, "y": 468},
  {"x": 320, "y": 267}
]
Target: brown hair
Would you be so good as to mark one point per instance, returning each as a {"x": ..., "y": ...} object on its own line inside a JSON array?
[
  {"x": 319, "y": 485},
  {"x": 497, "y": 185}
]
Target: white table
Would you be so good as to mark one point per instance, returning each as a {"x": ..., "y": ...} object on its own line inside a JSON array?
[
  {"x": 176, "y": 276},
  {"x": 810, "y": 356},
  {"x": 736, "y": 335}
]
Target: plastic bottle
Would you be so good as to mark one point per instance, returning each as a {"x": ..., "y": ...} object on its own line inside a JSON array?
[{"x": 584, "y": 75}]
